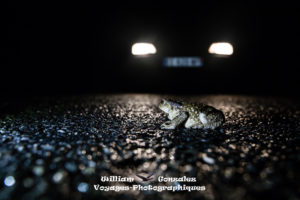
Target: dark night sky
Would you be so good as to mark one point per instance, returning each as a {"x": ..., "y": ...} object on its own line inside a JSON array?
[{"x": 76, "y": 48}]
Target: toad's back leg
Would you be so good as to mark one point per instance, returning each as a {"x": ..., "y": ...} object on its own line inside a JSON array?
[
  {"x": 191, "y": 123},
  {"x": 174, "y": 123}
]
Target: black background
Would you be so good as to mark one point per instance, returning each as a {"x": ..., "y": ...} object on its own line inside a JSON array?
[{"x": 75, "y": 48}]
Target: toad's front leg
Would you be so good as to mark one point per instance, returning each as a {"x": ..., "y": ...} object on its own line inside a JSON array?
[{"x": 174, "y": 123}]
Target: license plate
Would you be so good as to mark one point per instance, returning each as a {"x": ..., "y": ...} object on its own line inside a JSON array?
[{"x": 182, "y": 62}]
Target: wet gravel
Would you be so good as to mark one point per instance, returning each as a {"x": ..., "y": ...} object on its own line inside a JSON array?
[{"x": 58, "y": 148}]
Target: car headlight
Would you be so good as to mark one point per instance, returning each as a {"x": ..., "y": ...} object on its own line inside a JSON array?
[
  {"x": 140, "y": 49},
  {"x": 221, "y": 48}
]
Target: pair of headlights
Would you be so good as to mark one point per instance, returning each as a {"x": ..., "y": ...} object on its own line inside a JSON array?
[{"x": 218, "y": 48}]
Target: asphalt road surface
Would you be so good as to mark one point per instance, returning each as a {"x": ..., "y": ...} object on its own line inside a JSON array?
[{"x": 60, "y": 148}]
